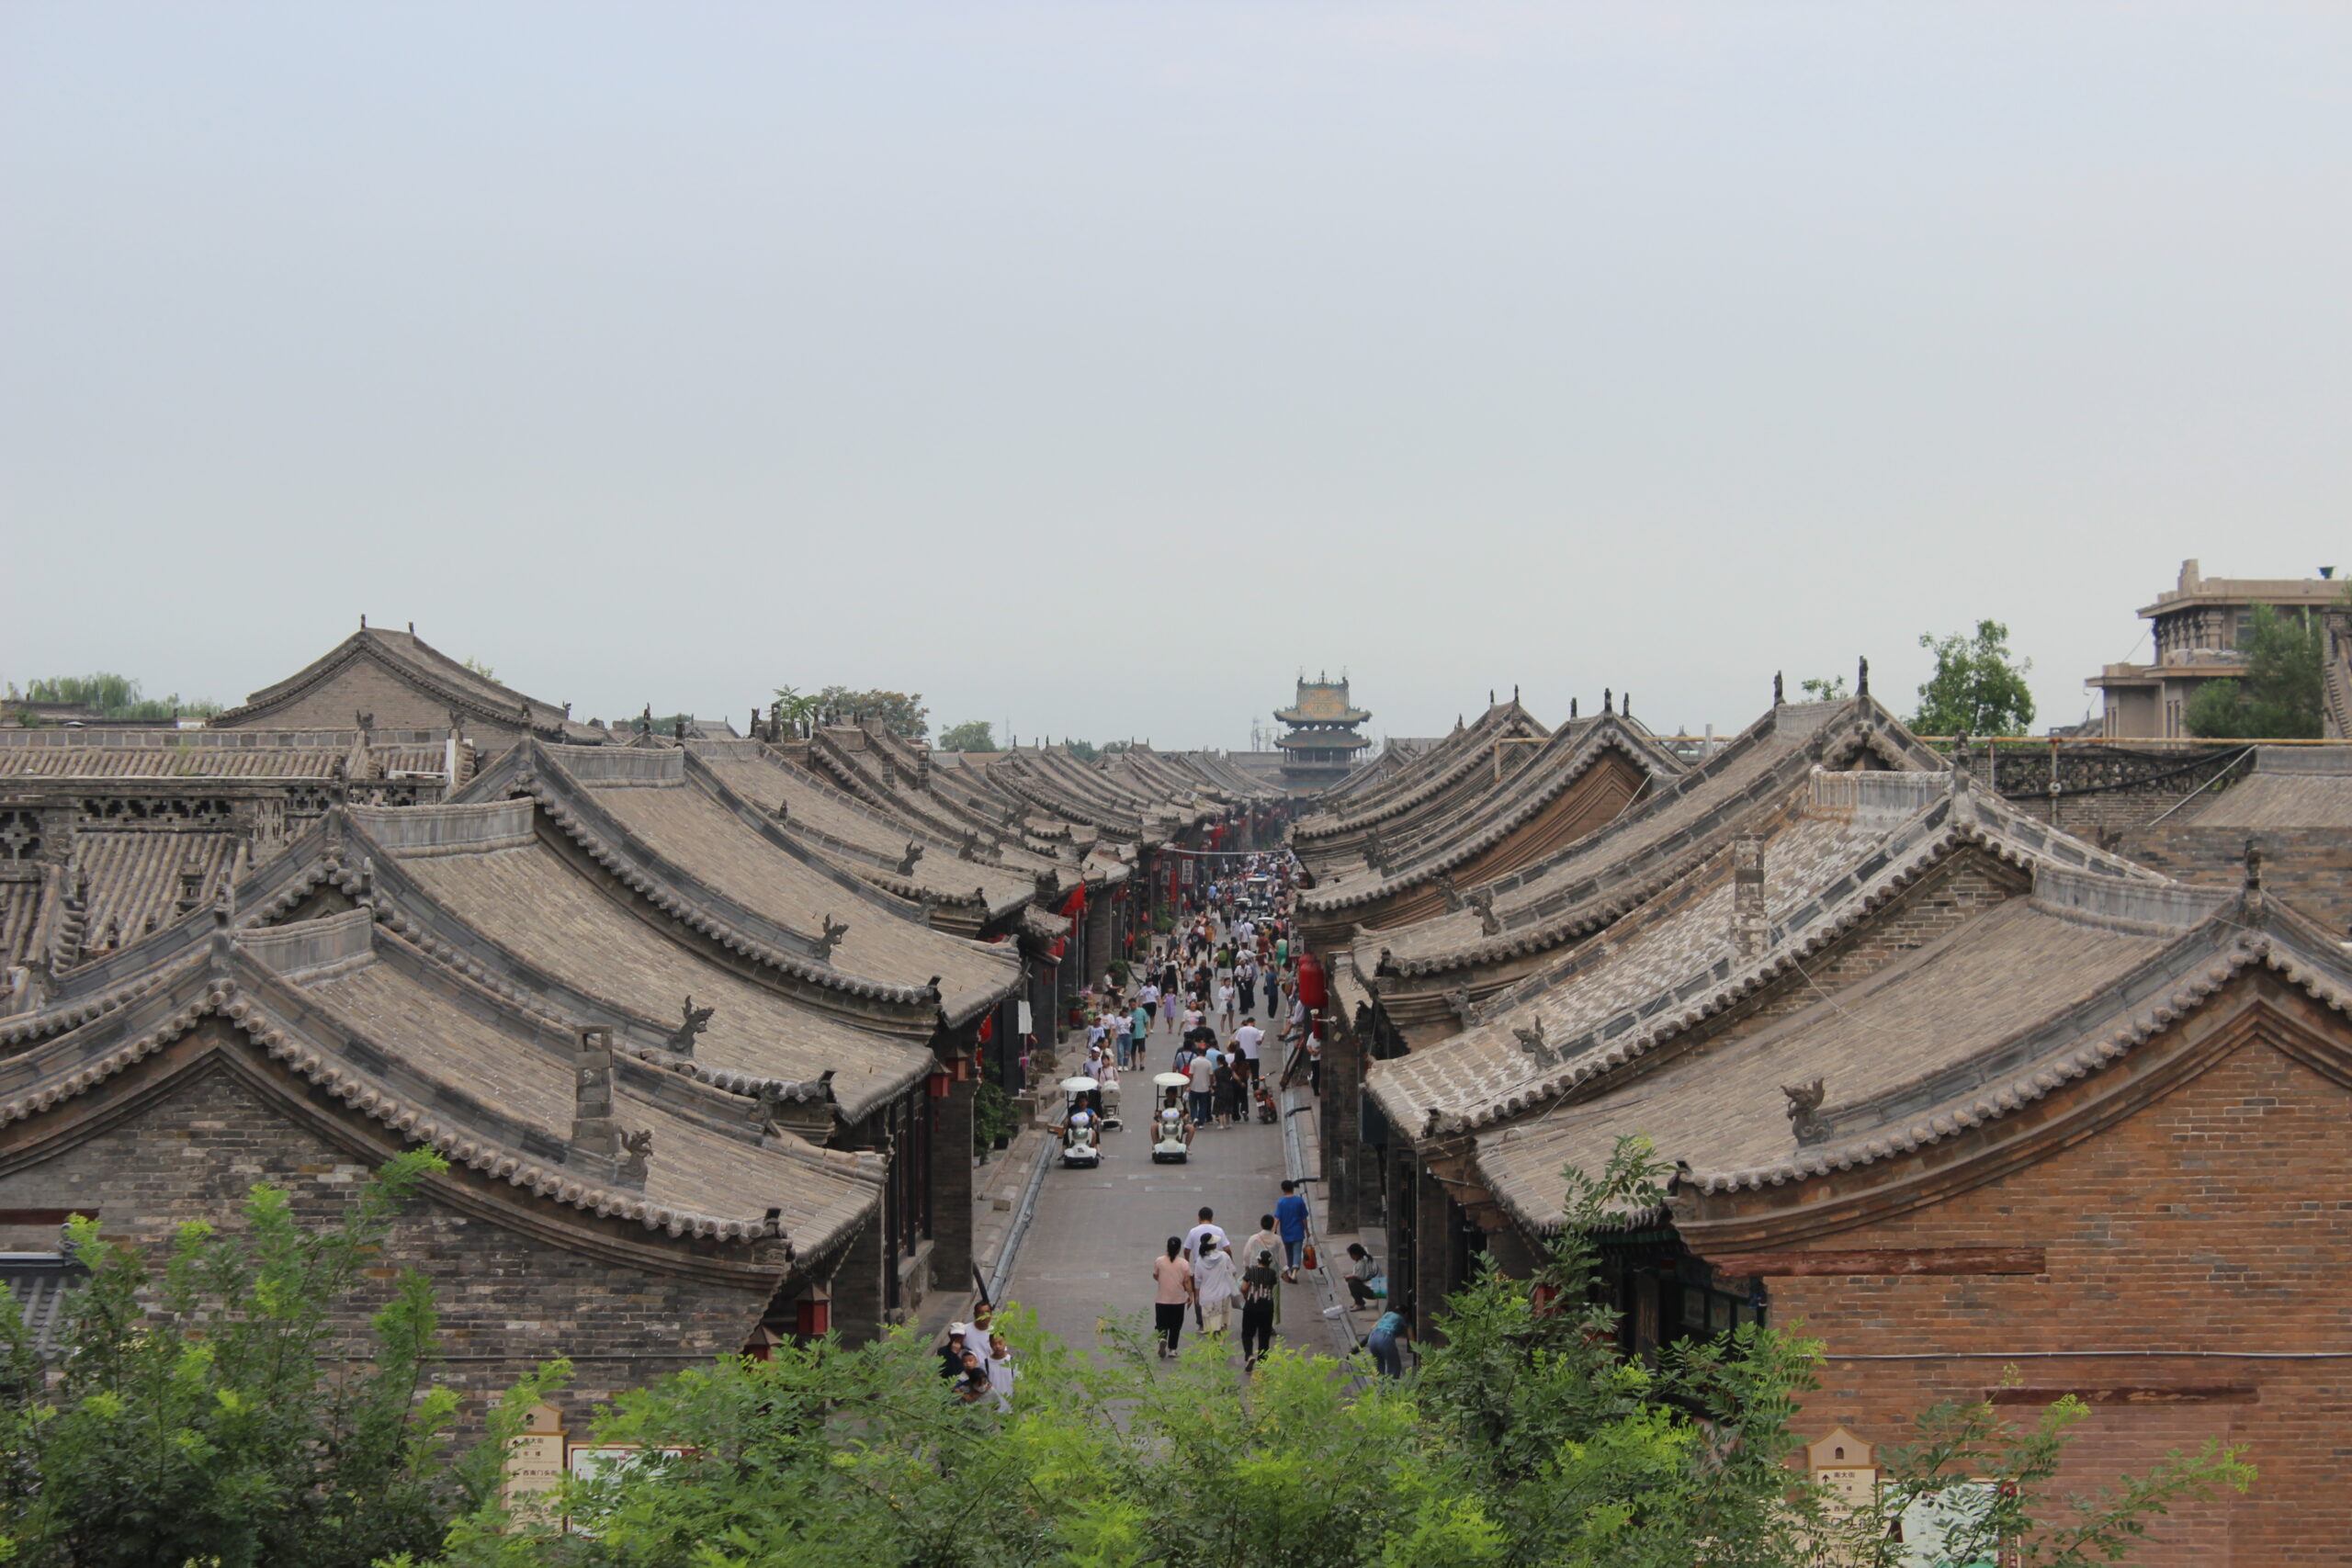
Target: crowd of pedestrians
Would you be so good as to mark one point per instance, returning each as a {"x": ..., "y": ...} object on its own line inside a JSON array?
[{"x": 1220, "y": 985}]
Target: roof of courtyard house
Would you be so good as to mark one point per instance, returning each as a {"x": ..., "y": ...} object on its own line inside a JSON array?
[
  {"x": 1592, "y": 882},
  {"x": 1173, "y": 778},
  {"x": 1834, "y": 852},
  {"x": 1461, "y": 761},
  {"x": 449, "y": 683},
  {"x": 160, "y": 817},
  {"x": 951, "y": 790},
  {"x": 872, "y": 843},
  {"x": 1418, "y": 845},
  {"x": 225, "y": 755},
  {"x": 1220, "y": 775},
  {"x": 717, "y": 861},
  {"x": 340, "y": 1017},
  {"x": 481, "y": 885},
  {"x": 1951, "y": 1043},
  {"x": 2290, "y": 786}
]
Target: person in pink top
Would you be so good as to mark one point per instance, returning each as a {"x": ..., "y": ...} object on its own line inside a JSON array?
[{"x": 1173, "y": 1278}]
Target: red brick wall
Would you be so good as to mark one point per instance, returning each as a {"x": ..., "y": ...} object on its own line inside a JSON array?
[{"x": 2212, "y": 1221}]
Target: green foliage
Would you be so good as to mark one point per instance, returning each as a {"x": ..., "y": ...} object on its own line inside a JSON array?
[
  {"x": 901, "y": 714},
  {"x": 1821, "y": 689},
  {"x": 1526, "y": 1439},
  {"x": 792, "y": 711},
  {"x": 204, "y": 1417},
  {"x": 974, "y": 735},
  {"x": 479, "y": 668},
  {"x": 112, "y": 697},
  {"x": 993, "y": 1117},
  {"x": 1087, "y": 751},
  {"x": 195, "y": 1422},
  {"x": 2281, "y": 696},
  {"x": 1978, "y": 689}
]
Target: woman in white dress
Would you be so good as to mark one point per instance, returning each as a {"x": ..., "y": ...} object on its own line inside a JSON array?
[{"x": 1218, "y": 1283}]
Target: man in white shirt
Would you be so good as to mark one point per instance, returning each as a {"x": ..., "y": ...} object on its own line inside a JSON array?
[
  {"x": 1248, "y": 1039},
  {"x": 1207, "y": 1228}
]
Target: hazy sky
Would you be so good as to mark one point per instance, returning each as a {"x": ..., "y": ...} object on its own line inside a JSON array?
[{"x": 1102, "y": 365}]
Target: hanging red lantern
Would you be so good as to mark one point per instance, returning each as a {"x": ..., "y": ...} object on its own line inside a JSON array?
[{"x": 938, "y": 1084}]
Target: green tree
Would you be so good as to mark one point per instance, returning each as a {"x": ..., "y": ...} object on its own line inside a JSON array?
[
  {"x": 1823, "y": 689},
  {"x": 975, "y": 735},
  {"x": 2280, "y": 697},
  {"x": 110, "y": 696},
  {"x": 1977, "y": 689},
  {"x": 1087, "y": 751},
  {"x": 479, "y": 668},
  {"x": 1527, "y": 1440},
  {"x": 192, "y": 1419},
  {"x": 899, "y": 713},
  {"x": 792, "y": 711}
]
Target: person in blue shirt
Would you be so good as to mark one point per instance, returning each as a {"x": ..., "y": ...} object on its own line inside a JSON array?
[
  {"x": 1381, "y": 1343},
  {"x": 1138, "y": 1034},
  {"x": 1290, "y": 1213}
]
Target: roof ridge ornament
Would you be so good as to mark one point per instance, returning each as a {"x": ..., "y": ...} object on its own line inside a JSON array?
[
  {"x": 695, "y": 1021},
  {"x": 1530, "y": 1040},
  {"x": 2251, "y": 895},
  {"x": 1777, "y": 694},
  {"x": 1862, "y": 678},
  {"x": 834, "y": 932},
  {"x": 1804, "y": 1113},
  {"x": 1482, "y": 900}
]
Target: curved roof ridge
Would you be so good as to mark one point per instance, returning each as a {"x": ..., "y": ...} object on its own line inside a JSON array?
[
  {"x": 1441, "y": 765},
  {"x": 1503, "y": 810}
]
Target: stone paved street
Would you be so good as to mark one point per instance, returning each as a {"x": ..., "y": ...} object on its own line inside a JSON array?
[{"x": 1089, "y": 1247}]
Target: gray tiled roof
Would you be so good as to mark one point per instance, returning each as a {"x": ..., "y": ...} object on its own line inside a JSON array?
[{"x": 1841, "y": 846}]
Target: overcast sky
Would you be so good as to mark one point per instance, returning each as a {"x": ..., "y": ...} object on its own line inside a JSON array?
[{"x": 1101, "y": 365}]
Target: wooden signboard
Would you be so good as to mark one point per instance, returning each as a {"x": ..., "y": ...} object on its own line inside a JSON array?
[
  {"x": 536, "y": 1460},
  {"x": 1844, "y": 1465}
]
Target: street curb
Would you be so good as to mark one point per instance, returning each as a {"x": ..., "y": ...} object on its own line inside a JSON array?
[
  {"x": 1341, "y": 1330},
  {"x": 1010, "y": 1252}
]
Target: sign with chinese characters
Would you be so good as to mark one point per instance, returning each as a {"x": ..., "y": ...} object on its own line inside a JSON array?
[
  {"x": 535, "y": 1458},
  {"x": 1843, "y": 1465}
]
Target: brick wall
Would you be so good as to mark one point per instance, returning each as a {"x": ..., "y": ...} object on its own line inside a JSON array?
[
  {"x": 2212, "y": 1220},
  {"x": 2309, "y": 867},
  {"x": 507, "y": 1299}
]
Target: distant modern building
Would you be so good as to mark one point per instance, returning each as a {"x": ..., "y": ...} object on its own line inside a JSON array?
[
  {"x": 2201, "y": 629},
  {"x": 1322, "y": 746}
]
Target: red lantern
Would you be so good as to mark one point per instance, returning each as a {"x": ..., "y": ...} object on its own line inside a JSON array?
[
  {"x": 938, "y": 1083},
  {"x": 962, "y": 1067},
  {"x": 812, "y": 1318}
]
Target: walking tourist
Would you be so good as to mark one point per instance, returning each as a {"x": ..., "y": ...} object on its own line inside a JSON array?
[
  {"x": 1216, "y": 1284},
  {"x": 1171, "y": 1279},
  {"x": 1259, "y": 1293},
  {"x": 1290, "y": 1213}
]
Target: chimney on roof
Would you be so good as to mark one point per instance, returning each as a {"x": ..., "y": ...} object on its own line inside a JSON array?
[
  {"x": 593, "y": 1130},
  {"x": 1750, "y": 931}
]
